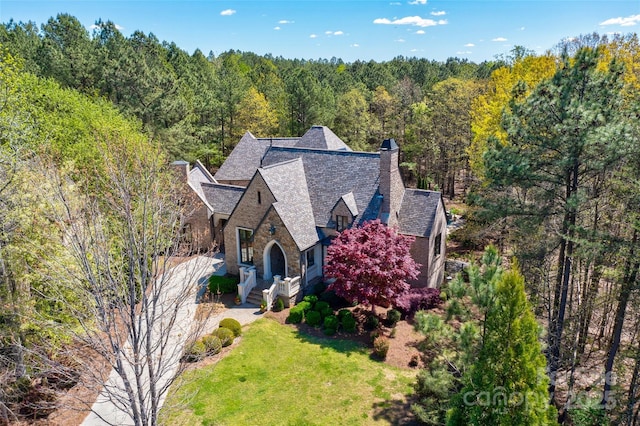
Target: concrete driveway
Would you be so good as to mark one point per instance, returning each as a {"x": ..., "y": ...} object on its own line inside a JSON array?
[{"x": 109, "y": 408}]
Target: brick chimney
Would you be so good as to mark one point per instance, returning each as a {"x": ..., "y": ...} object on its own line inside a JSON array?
[
  {"x": 181, "y": 169},
  {"x": 391, "y": 185}
]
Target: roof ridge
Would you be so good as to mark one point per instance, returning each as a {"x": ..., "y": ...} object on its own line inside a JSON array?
[
  {"x": 270, "y": 166},
  {"x": 326, "y": 151},
  {"x": 222, "y": 185}
]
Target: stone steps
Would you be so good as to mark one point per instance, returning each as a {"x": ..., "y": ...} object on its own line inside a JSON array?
[{"x": 255, "y": 297}]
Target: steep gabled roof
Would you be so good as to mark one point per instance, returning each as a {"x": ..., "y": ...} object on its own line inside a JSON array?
[
  {"x": 198, "y": 176},
  {"x": 332, "y": 174},
  {"x": 222, "y": 198},
  {"x": 288, "y": 184},
  {"x": 418, "y": 212},
  {"x": 245, "y": 158},
  {"x": 321, "y": 137}
]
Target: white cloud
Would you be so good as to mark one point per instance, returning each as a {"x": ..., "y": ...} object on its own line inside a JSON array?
[
  {"x": 628, "y": 21},
  {"x": 395, "y": 3},
  {"x": 499, "y": 39},
  {"x": 521, "y": 28},
  {"x": 418, "y": 2},
  {"x": 400, "y": 40},
  {"x": 276, "y": 28},
  {"x": 313, "y": 36},
  {"x": 469, "y": 45},
  {"x": 328, "y": 32},
  {"x": 410, "y": 20},
  {"x": 355, "y": 45},
  {"x": 466, "y": 52},
  {"x": 284, "y": 21},
  {"x": 420, "y": 32},
  {"x": 338, "y": 33},
  {"x": 438, "y": 13},
  {"x": 95, "y": 27},
  {"x": 228, "y": 12}
]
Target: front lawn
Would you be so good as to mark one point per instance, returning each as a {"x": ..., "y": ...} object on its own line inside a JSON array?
[{"x": 276, "y": 375}]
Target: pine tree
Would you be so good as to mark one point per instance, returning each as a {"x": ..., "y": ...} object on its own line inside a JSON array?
[{"x": 507, "y": 384}]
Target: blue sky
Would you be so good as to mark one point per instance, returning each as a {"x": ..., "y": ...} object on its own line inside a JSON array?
[{"x": 354, "y": 29}]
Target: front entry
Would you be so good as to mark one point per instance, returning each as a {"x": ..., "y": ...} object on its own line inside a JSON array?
[{"x": 277, "y": 262}]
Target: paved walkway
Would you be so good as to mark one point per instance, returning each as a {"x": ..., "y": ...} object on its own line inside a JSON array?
[{"x": 107, "y": 409}]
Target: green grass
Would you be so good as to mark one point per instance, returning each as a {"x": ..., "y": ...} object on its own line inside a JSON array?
[{"x": 277, "y": 376}]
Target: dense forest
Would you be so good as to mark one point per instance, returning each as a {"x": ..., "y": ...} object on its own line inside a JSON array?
[{"x": 544, "y": 148}]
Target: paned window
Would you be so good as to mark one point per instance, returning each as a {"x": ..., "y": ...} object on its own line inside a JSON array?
[{"x": 245, "y": 241}]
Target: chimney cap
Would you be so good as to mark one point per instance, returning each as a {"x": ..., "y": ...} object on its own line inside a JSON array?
[{"x": 389, "y": 145}]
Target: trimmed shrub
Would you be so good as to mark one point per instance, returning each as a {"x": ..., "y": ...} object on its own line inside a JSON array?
[
  {"x": 225, "y": 335},
  {"x": 279, "y": 305},
  {"x": 326, "y": 312},
  {"x": 212, "y": 343},
  {"x": 349, "y": 323},
  {"x": 321, "y": 305},
  {"x": 225, "y": 284},
  {"x": 313, "y": 318},
  {"x": 330, "y": 325},
  {"x": 304, "y": 306},
  {"x": 233, "y": 325},
  {"x": 381, "y": 347},
  {"x": 418, "y": 299},
  {"x": 373, "y": 322},
  {"x": 194, "y": 351},
  {"x": 344, "y": 313},
  {"x": 311, "y": 298},
  {"x": 393, "y": 316},
  {"x": 296, "y": 315},
  {"x": 374, "y": 335}
]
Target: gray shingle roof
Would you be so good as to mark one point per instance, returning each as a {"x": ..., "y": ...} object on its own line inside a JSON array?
[
  {"x": 222, "y": 198},
  {"x": 245, "y": 158},
  {"x": 332, "y": 174},
  {"x": 321, "y": 137},
  {"x": 418, "y": 212},
  {"x": 350, "y": 201},
  {"x": 287, "y": 183},
  {"x": 198, "y": 176}
]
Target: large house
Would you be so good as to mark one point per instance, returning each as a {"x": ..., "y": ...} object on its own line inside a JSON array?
[{"x": 275, "y": 204}]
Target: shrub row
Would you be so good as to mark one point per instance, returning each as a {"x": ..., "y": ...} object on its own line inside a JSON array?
[
  {"x": 224, "y": 284},
  {"x": 318, "y": 313},
  {"x": 213, "y": 343}
]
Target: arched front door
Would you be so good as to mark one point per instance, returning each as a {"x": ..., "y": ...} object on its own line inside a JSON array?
[{"x": 277, "y": 261}]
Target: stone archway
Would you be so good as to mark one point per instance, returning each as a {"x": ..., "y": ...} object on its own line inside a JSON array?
[{"x": 275, "y": 261}]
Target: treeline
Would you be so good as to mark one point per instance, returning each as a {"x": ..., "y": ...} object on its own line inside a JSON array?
[
  {"x": 199, "y": 106},
  {"x": 557, "y": 159}
]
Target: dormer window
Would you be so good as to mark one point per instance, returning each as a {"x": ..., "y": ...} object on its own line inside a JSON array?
[{"x": 342, "y": 223}]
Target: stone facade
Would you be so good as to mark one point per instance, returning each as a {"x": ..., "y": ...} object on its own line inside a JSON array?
[
  {"x": 198, "y": 224},
  {"x": 264, "y": 239},
  {"x": 248, "y": 214},
  {"x": 196, "y": 230},
  {"x": 391, "y": 185}
]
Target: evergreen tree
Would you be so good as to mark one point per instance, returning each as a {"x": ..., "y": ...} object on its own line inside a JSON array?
[{"x": 507, "y": 384}]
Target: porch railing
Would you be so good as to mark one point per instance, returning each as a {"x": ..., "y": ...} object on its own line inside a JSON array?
[
  {"x": 247, "y": 281},
  {"x": 289, "y": 287},
  {"x": 269, "y": 295}
]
